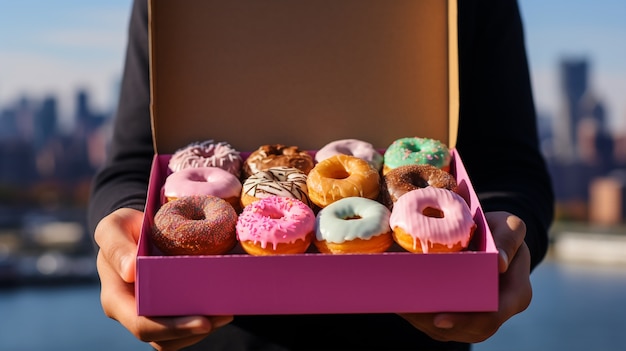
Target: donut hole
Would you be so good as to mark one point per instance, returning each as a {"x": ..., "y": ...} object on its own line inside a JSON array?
[
  {"x": 418, "y": 181},
  {"x": 335, "y": 172},
  {"x": 351, "y": 217},
  {"x": 273, "y": 213},
  {"x": 197, "y": 214},
  {"x": 432, "y": 212}
]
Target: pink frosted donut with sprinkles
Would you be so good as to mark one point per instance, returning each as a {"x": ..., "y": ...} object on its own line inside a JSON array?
[
  {"x": 276, "y": 225},
  {"x": 415, "y": 150},
  {"x": 207, "y": 153}
]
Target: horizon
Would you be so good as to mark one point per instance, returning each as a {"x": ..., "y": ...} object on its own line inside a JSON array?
[{"x": 67, "y": 45}]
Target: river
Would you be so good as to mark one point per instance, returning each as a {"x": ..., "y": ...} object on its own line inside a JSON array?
[{"x": 576, "y": 307}]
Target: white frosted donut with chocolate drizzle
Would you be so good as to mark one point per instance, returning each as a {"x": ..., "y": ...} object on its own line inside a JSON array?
[
  {"x": 207, "y": 153},
  {"x": 278, "y": 181}
]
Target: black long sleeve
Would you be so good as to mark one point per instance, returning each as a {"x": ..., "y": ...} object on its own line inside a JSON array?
[
  {"x": 497, "y": 128},
  {"x": 123, "y": 181}
]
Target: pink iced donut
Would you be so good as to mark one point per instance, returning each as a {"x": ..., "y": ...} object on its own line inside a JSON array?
[
  {"x": 275, "y": 225},
  {"x": 432, "y": 220},
  {"x": 203, "y": 181},
  {"x": 352, "y": 147},
  {"x": 207, "y": 153}
]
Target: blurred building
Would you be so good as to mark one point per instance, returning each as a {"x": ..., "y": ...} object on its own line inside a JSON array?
[{"x": 582, "y": 152}]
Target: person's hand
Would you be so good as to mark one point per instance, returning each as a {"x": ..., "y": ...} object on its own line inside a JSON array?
[
  {"x": 117, "y": 236},
  {"x": 514, "y": 288}
]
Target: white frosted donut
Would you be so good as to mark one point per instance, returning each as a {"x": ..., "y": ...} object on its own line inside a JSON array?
[
  {"x": 353, "y": 225},
  {"x": 353, "y": 147}
]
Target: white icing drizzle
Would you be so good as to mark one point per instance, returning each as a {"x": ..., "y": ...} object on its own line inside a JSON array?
[
  {"x": 278, "y": 181},
  {"x": 207, "y": 153}
]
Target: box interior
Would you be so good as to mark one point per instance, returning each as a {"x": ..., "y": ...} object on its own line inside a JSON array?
[{"x": 302, "y": 72}]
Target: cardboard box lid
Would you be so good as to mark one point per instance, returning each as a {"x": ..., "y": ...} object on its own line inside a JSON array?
[{"x": 302, "y": 72}]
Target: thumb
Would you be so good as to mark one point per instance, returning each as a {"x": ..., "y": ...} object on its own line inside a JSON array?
[
  {"x": 508, "y": 234},
  {"x": 117, "y": 235}
]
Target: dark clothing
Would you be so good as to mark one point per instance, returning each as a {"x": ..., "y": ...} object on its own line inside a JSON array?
[{"x": 497, "y": 140}]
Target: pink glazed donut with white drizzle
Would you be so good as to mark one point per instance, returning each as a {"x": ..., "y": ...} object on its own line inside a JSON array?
[
  {"x": 203, "y": 181},
  {"x": 431, "y": 220},
  {"x": 207, "y": 153},
  {"x": 276, "y": 225},
  {"x": 353, "y": 147}
]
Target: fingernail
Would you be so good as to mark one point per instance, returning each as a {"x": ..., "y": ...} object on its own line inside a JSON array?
[
  {"x": 443, "y": 323},
  {"x": 504, "y": 260},
  {"x": 195, "y": 324},
  {"x": 219, "y": 322}
]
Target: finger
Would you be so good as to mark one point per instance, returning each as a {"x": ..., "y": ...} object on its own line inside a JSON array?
[
  {"x": 117, "y": 236},
  {"x": 508, "y": 233},
  {"x": 118, "y": 302},
  {"x": 515, "y": 292}
]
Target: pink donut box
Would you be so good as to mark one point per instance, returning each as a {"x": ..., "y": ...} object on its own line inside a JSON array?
[
  {"x": 240, "y": 284},
  {"x": 260, "y": 61}
]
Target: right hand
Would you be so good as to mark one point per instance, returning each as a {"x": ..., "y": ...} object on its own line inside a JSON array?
[{"x": 117, "y": 235}]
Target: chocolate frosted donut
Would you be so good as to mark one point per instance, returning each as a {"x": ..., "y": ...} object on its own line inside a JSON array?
[
  {"x": 195, "y": 225},
  {"x": 277, "y": 155},
  {"x": 403, "y": 179}
]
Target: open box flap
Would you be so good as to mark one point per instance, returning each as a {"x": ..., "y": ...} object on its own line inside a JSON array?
[{"x": 302, "y": 72}]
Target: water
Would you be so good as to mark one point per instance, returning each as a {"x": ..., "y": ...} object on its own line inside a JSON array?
[{"x": 575, "y": 307}]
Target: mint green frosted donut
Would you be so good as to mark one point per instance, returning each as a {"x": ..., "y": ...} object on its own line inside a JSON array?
[{"x": 414, "y": 150}]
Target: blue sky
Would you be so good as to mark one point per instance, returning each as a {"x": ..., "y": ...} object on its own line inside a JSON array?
[{"x": 57, "y": 46}]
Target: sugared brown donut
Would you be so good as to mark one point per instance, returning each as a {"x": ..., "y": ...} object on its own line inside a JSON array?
[
  {"x": 277, "y": 155},
  {"x": 403, "y": 179},
  {"x": 195, "y": 225}
]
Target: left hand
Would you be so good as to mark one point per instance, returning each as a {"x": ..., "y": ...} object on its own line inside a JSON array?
[{"x": 515, "y": 291}]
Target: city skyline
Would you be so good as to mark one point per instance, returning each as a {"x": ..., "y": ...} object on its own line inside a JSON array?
[{"x": 67, "y": 45}]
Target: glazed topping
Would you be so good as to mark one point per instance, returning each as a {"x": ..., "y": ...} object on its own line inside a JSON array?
[
  {"x": 342, "y": 176},
  {"x": 278, "y": 181},
  {"x": 413, "y": 150},
  {"x": 352, "y": 147},
  {"x": 275, "y": 219},
  {"x": 351, "y": 218},
  {"x": 202, "y": 181},
  {"x": 452, "y": 227},
  {"x": 207, "y": 154},
  {"x": 278, "y": 155}
]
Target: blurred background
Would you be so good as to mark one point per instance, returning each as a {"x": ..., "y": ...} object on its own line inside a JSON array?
[{"x": 60, "y": 69}]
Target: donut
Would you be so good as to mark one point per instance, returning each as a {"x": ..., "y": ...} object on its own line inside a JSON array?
[
  {"x": 203, "y": 181},
  {"x": 353, "y": 147},
  {"x": 195, "y": 225},
  {"x": 353, "y": 225},
  {"x": 207, "y": 153},
  {"x": 276, "y": 225},
  {"x": 403, "y": 179},
  {"x": 432, "y": 220},
  {"x": 414, "y": 150},
  {"x": 279, "y": 181},
  {"x": 275, "y": 155},
  {"x": 342, "y": 176}
]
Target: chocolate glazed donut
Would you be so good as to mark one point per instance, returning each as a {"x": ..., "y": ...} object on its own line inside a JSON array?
[
  {"x": 277, "y": 155},
  {"x": 403, "y": 179}
]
